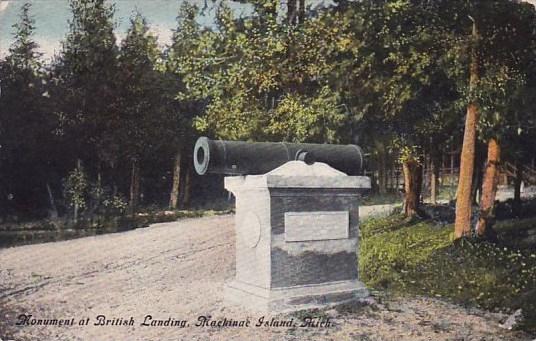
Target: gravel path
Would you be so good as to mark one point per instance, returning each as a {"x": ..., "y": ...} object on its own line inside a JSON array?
[{"x": 177, "y": 270}]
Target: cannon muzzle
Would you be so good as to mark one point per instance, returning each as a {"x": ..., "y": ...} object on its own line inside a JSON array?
[{"x": 250, "y": 158}]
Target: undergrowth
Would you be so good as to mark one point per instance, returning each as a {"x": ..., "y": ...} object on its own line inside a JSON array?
[{"x": 420, "y": 258}]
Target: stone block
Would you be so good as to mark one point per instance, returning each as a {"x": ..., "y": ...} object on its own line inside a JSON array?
[{"x": 297, "y": 230}]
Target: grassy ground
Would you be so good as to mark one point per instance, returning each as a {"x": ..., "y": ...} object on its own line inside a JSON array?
[
  {"x": 382, "y": 199},
  {"x": 420, "y": 258},
  {"x": 393, "y": 197}
]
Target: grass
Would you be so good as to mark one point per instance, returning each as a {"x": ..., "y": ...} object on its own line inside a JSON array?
[
  {"x": 382, "y": 199},
  {"x": 420, "y": 258},
  {"x": 446, "y": 192}
]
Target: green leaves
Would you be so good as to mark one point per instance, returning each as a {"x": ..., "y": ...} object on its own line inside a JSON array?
[
  {"x": 76, "y": 188},
  {"x": 498, "y": 94},
  {"x": 142, "y": 97},
  {"x": 297, "y": 119},
  {"x": 262, "y": 79}
]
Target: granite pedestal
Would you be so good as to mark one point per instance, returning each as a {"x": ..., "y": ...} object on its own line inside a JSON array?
[{"x": 296, "y": 238}]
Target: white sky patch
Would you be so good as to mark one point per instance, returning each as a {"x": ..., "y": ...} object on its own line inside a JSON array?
[
  {"x": 164, "y": 34},
  {"x": 48, "y": 47},
  {"x": 3, "y": 5}
]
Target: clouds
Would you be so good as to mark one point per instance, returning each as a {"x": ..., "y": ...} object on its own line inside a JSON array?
[
  {"x": 3, "y": 5},
  {"x": 164, "y": 34}
]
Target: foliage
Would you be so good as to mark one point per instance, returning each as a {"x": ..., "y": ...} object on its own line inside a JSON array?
[
  {"x": 76, "y": 188},
  {"x": 25, "y": 123},
  {"x": 391, "y": 76},
  {"x": 145, "y": 125},
  {"x": 85, "y": 74},
  {"x": 300, "y": 120}
]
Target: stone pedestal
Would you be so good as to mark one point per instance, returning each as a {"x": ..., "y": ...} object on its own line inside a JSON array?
[{"x": 296, "y": 238}]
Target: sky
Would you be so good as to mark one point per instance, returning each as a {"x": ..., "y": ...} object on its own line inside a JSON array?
[{"x": 51, "y": 18}]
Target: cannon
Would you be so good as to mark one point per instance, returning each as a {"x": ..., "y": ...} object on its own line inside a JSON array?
[{"x": 253, "y": 158}]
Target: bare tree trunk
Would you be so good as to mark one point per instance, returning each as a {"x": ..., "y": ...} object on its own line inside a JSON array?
[
  {"x": 53, "y": 207},
  {"x": 517, "y": 188},
  {"x": 382, "y": 173},
  {"x": 187, "y": 186},
  {"x": 434, "y": 172},
  {"x": 451, "y": 178},
  {"x": 134, "y": 186},
  {"x": 412, "y": 186},
  {"x": 292, "y": 11},
  {"x": 462, "y": 224},
  {"x": 489, "y": 187},
  {"x": 397, "y": 179},
  {"x": 301, "y": 15},
  {"x": 476, "y": 190},
  {"x": 76, "y": 207},
  {"x": 174, "y": 195}
]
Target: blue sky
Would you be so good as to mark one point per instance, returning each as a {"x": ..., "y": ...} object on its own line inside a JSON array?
[
  {"x": 52, "y": 15},
  {"x": 51, "y": 18}
]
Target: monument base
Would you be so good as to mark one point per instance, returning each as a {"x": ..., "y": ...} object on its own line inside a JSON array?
[{"x": 283, "y": 300}]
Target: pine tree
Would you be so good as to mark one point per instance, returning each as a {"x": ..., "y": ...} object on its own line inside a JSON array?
[
  {"x": 25, "y": 124},
  {"x": 86, "y": 72},
  {"x": 143, "y": 114}
]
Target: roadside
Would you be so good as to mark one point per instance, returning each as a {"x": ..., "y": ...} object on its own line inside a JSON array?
[{"x": 177, "y": 270}]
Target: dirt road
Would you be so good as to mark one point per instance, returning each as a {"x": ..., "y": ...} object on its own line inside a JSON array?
[{"x": 174, "y": 272}]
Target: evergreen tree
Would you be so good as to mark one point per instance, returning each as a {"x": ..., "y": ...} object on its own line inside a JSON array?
[
  {"x": 187, "y": 62},
  {"x": 144, "y": 109},
  {"x": 25, "y": 124},
  {"x": 86, "y": 74}
]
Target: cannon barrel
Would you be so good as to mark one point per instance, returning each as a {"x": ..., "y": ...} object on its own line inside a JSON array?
[{"x": 250, "y": 158}]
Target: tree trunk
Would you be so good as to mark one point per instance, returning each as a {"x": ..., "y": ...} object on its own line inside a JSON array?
[
  {"x": 412, "y": 186},
  {"x": 292, "y": 10},
  {"x": 489, "y": 187},
  {"x": 174, "y": 195},
  {"x": 187, "y": 186},
  {"x": 53, "y": 207},
  {"x": 76, "y": 207},
  {"x": 451, "y": 178},
  {"x": 382, "y": 173},
  {"x": 462, "y": 224},
  {"x": 301, "y": 15},
  {"x": 134, "y": 186},
  {"x": 397, "y": 179},
  {"x": 476, "y": 190},
  {"x": 434, "y": 172},
  {"x": 517, "y": 189}
]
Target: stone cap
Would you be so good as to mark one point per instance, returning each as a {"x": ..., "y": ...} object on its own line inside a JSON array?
[{"x": 297, "y": 174}]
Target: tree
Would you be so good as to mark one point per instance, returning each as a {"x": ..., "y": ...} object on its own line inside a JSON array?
[
  {"x": 462, "y": 224},
  {"x": 142, "y": 105},
  {"x": 26, "y": 142},
  {"x": 269, "y": 81},
  {"x": 86, "y": 74},
  {"x": 186, "y": 63},
  {"x": 502, "y": 31},
  {"x": 397, "y": 80}
]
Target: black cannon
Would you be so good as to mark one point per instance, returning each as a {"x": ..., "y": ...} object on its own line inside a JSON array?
[{"x": 250, "y": 158}]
